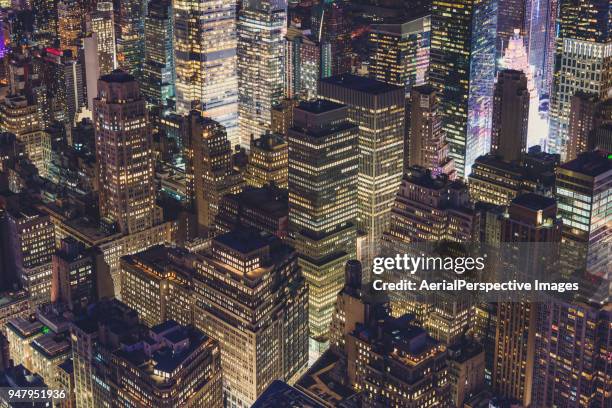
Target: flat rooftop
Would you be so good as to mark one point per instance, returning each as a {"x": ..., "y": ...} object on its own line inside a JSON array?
[
  {"x": 362, "y": 84},
  {"x": 534, "y": 201},
  {"x": 590, "y": 163}
]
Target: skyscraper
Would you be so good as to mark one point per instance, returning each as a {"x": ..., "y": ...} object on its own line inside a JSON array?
[
  {"x": 268, "y": 161},
  {"x": 531, "y": 219},
  {"x": 400, "y": 52},
  {"x": 510, "y": 115},
  {"x": 209, "y": 171},
  {"x": 541, "y": 19},
  {"x": 583, "y": 109},
  {"x": 330, "y": 26},
  {"x": 123, "y": 151},
  {"x": 205, "y": 60},
  {"x": 261, "y": 39},
  {"x": 70, "y": 25},
  {"x": 323, "y": 171},
  {"x": 130, "y": 38},
  {"x": 251, "y": 298},
  {"x": 582, "y": 187},
  {"x": 582, "y": 64},
  {"x": 378, "y": 109},
  {"x": 103, "y": 26},
  {"x": 303, "y": 64},
  {"x": 158, "y": 71},
  {"x": 462, "y": 70},
  {"x": 425, "y": 145}
]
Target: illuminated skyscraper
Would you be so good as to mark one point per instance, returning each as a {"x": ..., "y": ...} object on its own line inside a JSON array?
[
  {"x": 158, "y": 72},
  {"x": 531, "y": 219},
  {"x": 130, "y": 38},
  {"x": 510, "y": 115},
  {"x": 583, "y": 109},
  {"x": 303, "y": 64},
  {"x": 331, "y": 30},
  {"x": 582, "y": 187},
  {"x": 378, "y": 109},
  {"x": 511, "y": 16},
  {"x": 251, "y": 297},
  {"x": 540, "y": 30},
  {"x": 425, "y": 145},
  {"x": 463, "y": 50},
  {"x": 261, "y": 40},
  {"x": 582, "y": 64},
  {"x": 157, "y": 284},
  {"x": 400, "y": 52},
  {"x": 20, "y": 116},
  {"x": 323, "y": 171},
  {"x": 70, "y": 25},
  {"x": 209, "y": 171},
  {"x": 268, "y": 161},
  {"x": 123, "y": 151},
  {"x": 103, "y": 26},
  {"x": 573, "y": 343},
  {"x": 205, "y": 59}
]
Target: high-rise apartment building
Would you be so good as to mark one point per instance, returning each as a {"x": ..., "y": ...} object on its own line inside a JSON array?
[
  {"x": 303, "y": 64},
  {"x": 209, "y": 171},
  {"x": 205, "y": 60},
  {"x": 425, "y": 144},
  {"x": 400, "y": 52},
  {"x": 103, "y": 26},
  {"x": 157, "y": 283},
  {"x": 251, "y": 298},
  {"x": 261, "y": 40},
  {"x": 323, "y": 172},
  {"x": 379, "y": 111},
  {"x": 510, "y": 115},
  {"x": 70, "y": 25},
  {"x": 268, "y": 162},
  {"x": 123, "y": 151},
  {"x": 158, "y": 70}
]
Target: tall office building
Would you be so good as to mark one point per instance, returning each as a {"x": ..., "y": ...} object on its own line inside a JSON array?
[
  {"x": 268, "y": 161},
  {"x": 387, "y": 359},
  {"x": 463, "y": 51},
  {"x": 29, "y": 244},
  {"x": 583, "y": 109},
  {"x": 303, "y": 64},
  {"x": 540, "y": 24},
  {"x": 20, "y": 116},
  {"x": 531, "y": 219},
  {"x": 265, "y": 208},
  {"x": 77, "y": 275},
  {"x": 425, "y": 145},
  {"x": 70, "y": 25},
  {"x": 582, "y": 187},
  {"x": 400, "y": 52},
  {"x": 323, "y": 171},
  {"x": 205, "y": 60},
  {"x": 583, "y": 63},
  {"x": 130, "y": 36},
  {"x": 209, "y": 171},
  {"x": 123, "y": 151},
  {"x": 157, "y": 283},
  {"x": 103, "y": 26},
  {"x": 251, "y": 298},
  {"x": 331, "y": 29},
  {"x": 158, "y": 71},
  {"x": 261, "y": 39},
  {"x": 510, "y": 115},
  {"x": 511, "y": 15},
  {"x": 379, "y": 111}
]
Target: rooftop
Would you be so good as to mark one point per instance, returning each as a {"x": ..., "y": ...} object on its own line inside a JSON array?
[
  {"x": 319, "y": 106},
  {"x": 117, "y": 76},
  {"x": 245, "y": 240},
  {"x": 590, "y": 163},
  {"x": 362, "y": 84},
  {"x": 534, "y": 201}
]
